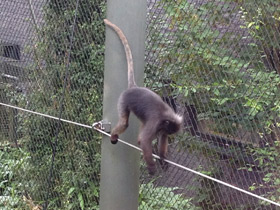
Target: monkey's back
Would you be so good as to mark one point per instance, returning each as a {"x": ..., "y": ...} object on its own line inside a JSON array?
[{"x": 144, "y": 103}]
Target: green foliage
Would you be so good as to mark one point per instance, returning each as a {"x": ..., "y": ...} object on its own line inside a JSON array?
[
  {"x": 12, "y": 183},
  {"x": 163, "y": 198},
  {"x": 268, "y": 161},
  {"x": 262, "y": 22},
  {"x": 235, "y": 86},
  {"x": 76, "y": 89},
  {"x": 230, "y": 75}
]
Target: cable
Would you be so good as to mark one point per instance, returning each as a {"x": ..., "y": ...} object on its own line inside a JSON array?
[
  {"x": 45, "y": 115},
  {"x": 155, "y": 156}
]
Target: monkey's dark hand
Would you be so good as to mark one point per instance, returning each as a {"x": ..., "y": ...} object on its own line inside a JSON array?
[
  {"x": 114, "y": 138},
  {"x": 164, "y": 165},
  {"x": 152, "y": 169}
]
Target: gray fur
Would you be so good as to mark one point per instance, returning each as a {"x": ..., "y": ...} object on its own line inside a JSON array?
[{"x": 158, "y": 119}]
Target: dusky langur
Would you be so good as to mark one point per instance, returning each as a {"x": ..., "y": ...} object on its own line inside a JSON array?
[{"x": 157, "y": 118}]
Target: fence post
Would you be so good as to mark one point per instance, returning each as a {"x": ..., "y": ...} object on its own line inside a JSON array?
[
  {"x": 119, "y": 163},
  {"x": 12, "y": 126}
]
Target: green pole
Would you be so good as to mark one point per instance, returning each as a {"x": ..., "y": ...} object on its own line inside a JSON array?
[{"x": 119, "y": 163}]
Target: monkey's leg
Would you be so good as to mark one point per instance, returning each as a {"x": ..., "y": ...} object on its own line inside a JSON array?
[
  {"x": 120, "y": 127},
  {"x": 145, "y": 139},
  {"x": 162, "y": 148},
  {"x": 146, "y": 146}
]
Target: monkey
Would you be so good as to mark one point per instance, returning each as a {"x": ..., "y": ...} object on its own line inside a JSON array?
[{"x": 158, "y": 120}]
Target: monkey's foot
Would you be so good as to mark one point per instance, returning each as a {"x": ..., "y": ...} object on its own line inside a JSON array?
[{"x": 114, "y": 138}]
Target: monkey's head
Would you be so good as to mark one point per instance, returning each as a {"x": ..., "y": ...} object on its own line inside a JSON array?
[{"x": 171, "y": 126}]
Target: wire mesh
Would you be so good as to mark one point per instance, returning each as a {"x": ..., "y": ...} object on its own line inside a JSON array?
[
  {"x": 215, "y": 62},
  {"x": 52, "y": 55}
]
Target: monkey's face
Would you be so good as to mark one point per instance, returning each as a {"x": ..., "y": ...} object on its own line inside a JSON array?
[{"x": 170, "y": 127}]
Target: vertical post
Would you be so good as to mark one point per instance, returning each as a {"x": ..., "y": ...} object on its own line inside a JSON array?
[
  {"x": 120, "y": 163},
  {"x": 13, "y": 126}
]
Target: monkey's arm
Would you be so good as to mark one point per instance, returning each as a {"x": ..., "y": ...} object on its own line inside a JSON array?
[{"x": 162, "y": 148}]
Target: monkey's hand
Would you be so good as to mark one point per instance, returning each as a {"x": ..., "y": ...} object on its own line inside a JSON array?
[
  {"x": 114, "y": 138},
  {"x": 164, "y": 165},
  {"x": 151, "y": 169}
]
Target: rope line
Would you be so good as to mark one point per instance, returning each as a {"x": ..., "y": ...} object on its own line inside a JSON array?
[{"x": 137, "y": 148}]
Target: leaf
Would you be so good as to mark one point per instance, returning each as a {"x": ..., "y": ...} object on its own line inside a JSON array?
[
  {"x": 216, "y": 92},
  {"x": 266, "y": 179},
  {"x": 277, "y": 181},
  {"x": 82, "y": 204},
  {"x": 250, "y": 24},
  {"x": 224, "y": 100},
  {"x": 186, "y": 93},
  {"x": 252, "y": 188},
  {"x": 193, "y": 90},
  {"x": 71, "y": 190}
]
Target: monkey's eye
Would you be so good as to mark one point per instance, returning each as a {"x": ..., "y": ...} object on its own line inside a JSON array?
[{"x": 166, "y": 122}]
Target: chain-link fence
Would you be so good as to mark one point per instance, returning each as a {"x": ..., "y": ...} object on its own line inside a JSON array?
[
  {"x": 58, "y": 72},
  {"x": 215, "y": 62}
]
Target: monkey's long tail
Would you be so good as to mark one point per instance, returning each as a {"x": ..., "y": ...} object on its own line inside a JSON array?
[{"x": 129, "y": 60}]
